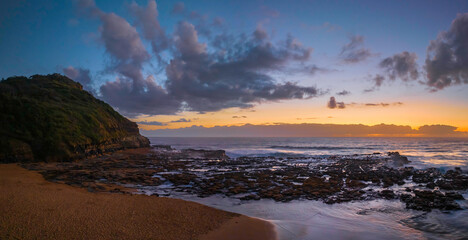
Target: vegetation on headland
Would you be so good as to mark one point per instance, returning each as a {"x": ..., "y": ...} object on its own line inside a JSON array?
[{"x": 51, "y": 118}]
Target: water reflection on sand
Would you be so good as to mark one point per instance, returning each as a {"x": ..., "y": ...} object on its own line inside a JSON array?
[{"x": 377, "y": 219}]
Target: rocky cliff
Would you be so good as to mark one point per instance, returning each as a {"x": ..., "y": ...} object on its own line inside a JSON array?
[{"x": 51, "y": 118}]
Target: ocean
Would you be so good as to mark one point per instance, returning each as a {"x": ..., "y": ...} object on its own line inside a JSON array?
[
  {"x": 310, "y": 219},
  {"x": 422, "y": 152}
]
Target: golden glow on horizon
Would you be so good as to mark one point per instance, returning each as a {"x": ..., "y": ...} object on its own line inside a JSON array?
[{"x": 414, "y": 114}]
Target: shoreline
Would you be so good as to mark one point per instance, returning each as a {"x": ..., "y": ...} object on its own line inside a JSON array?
[
  {"x": 32, "y": 207},
  {"x": 160, "y": 170}
]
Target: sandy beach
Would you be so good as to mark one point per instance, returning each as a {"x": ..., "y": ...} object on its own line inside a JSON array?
[{"x": 33, "y": 208}]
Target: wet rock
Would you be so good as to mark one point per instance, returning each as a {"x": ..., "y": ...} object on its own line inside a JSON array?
[
  {"x": 318, "y": 187},
  {"x": 387, "y": 194},
  {"x": 397, "y": 160},
  {"x": 428, "y": 200},
  {"x": 355, "y": 184},
  {"x": 453, "y": 180},
  {"x": 237, "y": 189},
  {"x": 423, "y": 176},
  {"x": 204, "y": 154},
  {"x": 205, "y": 173},
  {"x": 454, "y": 196},
  {"x": 431, "y": 185}
]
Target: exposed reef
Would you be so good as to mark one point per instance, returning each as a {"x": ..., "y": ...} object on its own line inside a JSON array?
[{"x": 164, "y": 171}]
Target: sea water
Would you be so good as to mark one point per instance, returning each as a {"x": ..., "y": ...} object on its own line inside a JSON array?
[{"x": 377, "y": 219}]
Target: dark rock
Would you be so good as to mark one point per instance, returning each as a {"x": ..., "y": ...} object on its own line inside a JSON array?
[
  {"x": 397, "y": 159},
  {"x": 204, "y": 154},
  {"x": 427, "y": 200},
  {"x": 355, "y": 184},
  {"x": 431, "y": 185},
  {"x": 387, "y": 194},
  {"x": 253, "y": 178},
  {"x": 454, "y": 196}
]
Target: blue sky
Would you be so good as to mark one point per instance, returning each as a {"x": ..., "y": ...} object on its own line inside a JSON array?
[{"x": 41, "y": 37}]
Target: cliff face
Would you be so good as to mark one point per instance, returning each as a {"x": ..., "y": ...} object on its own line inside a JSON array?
[{"x": 51, "y": 118}]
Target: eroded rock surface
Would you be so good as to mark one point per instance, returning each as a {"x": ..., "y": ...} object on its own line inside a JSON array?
[{"x": 335, "y": 179}]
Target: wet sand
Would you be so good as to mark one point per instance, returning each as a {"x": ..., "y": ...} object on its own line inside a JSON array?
[
  {"x": 242, "y": 227},
  {"x": 32, "y": 208}
]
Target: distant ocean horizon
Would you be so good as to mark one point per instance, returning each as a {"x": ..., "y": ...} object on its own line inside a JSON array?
[{"x": 311, "y": 130}]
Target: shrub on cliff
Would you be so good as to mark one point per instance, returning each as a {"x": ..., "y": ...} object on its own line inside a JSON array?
[{"x": 51, "y": 118}]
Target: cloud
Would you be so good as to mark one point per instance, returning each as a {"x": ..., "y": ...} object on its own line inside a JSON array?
[
  {"x": 156, "y": 123},
  {"x": 178, "y": 8},
  {"x": 181, "y": 120},
  {"x": 202, "y": 24},
  {"x": 150, "y": 99},
  {"x": 122, "y": 40},
  {"x": 235, "y": 75},
  {"x": 314, "y": 69},
  {"x": 343, "y": 93},
  {"x": 147, "y": 18},
  {"x": 260, "y": 33},
  {"x": 383, "y": 104},
  {"x": 80, "y": 75},
  {"x": 369, "y": 90},
  {"x": 239, "y": 116},
  {"x": 218, "y": 21},
  {"x": 233, "y": 71},
  {"x": 153, "y": 123},
  {"x": 131, "y": 92},
  {"x": 402, "y": 65},
  {"x": 186, "y": 41},
  {"x": 354, "y": 52},
  {"x": 332, "y": 104},
  {"x": 378, "y": 80},
  {"x": 447, "y": 56},
  {"x": 308, "y": 130},
  {"x": 200, "y": 21},
  {"x": 437, "y": 129},
  {"x": 330, "y": 27}
]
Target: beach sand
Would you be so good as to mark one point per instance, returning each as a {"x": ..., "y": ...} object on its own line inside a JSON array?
[{"x": 33, "y": 208}]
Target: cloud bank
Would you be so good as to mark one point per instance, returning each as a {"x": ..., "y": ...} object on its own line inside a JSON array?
[
  {"x": 333, "y": 104},
  {"x": 223, "y": 72},
  {"x": 309, "y": 130}
]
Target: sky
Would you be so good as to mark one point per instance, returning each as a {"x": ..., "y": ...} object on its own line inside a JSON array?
[{"x": 200, "y": 64}]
